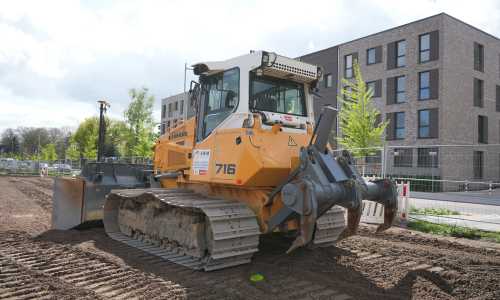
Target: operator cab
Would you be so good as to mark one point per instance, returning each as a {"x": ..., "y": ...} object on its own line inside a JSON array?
[{"x": 276, "y": 87}]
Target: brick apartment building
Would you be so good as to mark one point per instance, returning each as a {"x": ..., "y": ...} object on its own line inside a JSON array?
[{"x": 437, "y": 82}]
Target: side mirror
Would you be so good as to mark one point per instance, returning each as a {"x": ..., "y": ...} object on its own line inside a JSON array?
[
  {"x": 193, "y": 86},
  {"x": 194, "y": 92}
]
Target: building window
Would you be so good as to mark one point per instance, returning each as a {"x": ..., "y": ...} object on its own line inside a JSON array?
[
  {"x": 424, "y": 123},
  {"x": 478, "y": 161},
  {"x": 168, "y": 125},
  {"x": 371, "y": 57},
  {"x": 348, "y": 63},
  {"x": 403, "y": 157},
  {"x": 162, "y": 128},
  {"x": 329, "y": 80},
  {"x": 482, "y": 129},
  {"x": 478, "y": 92},
  {"x": 376, "y": 87},
  {"x": 176, "y": 106},
  {"x": 163, "y": 111},
  {"x": 401, "y": 54},
  {"x": 372, "y": 85},
  {"x": 424, "y": 86},
  {"x": 399, "y": 125},
  {"x": 347, "y": 93},
  {"x": 400, "y": 89},
  {"x": 182, "y": 107},
  {"x": 478, "y": 57},
  {"x": 427, "y": 157},
  {"x": 170, "y": 110},
  {"x": 424, "y": 43},
  {"x": 498, "y": 97}
]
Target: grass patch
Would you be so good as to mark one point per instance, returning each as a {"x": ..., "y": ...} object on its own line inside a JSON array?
[
  {"x": 434, "y": 211},
  {"x": 455, "y": 231}
]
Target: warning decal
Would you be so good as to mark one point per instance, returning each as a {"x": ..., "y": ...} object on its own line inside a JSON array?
[
  {"x": 201, "y": 159},
  {"x": 291, "y": 142}
]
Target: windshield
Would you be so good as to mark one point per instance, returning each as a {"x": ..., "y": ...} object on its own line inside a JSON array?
[{"x": 277, "y": 95}]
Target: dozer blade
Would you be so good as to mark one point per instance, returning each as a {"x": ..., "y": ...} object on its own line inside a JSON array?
[
  {"x": 79, "y": 200},
  {"x": 67, "y": 206},
  {"x": 76, "y": 201},
  {"x": 183, "y": 227}
]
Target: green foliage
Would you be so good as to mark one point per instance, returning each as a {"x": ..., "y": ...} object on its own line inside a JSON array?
[
  {"x": 358, "y": 117},
  {"x": 83, "y": 143},
  {"x": 72, "y": 151},
  {"x": 139, "y": 117},
  {"x": 85, "y": 138},
  {"x": 133, "y": 137},
  {"x": 48, "y": 153},
  {"x": 117, "y": 137},
  {"x": 434, "y": 211},
  {"x": 455, "y": 231}
]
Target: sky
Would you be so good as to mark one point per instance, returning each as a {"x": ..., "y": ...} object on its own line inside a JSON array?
[{"x": 57, "y": 58}]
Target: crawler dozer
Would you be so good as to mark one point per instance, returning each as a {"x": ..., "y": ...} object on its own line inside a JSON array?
[{"x": 252, "y": 161}]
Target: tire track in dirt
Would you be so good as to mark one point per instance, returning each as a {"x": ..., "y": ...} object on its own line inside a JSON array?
[
  {"x": 92, "y": 273},
  {"x": 38, "y": 192},
  {"x": 76, "y": 271},
  {"x": 459, "y": 271}
]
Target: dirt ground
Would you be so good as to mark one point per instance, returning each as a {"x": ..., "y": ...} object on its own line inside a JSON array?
[{"x": 36, "y": 262}]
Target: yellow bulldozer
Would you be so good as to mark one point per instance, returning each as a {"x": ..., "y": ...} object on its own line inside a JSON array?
[{"x": 252, "y": 161}]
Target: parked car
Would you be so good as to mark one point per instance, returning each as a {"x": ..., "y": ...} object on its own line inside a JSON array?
[
  {"x": 62, "y": 168},
  {"x": 8, "y": 164}
]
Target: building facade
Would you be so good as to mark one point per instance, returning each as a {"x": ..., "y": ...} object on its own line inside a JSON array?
[
  {"x": 175, "y": 110},
  {"x": 436, "y": 81}
]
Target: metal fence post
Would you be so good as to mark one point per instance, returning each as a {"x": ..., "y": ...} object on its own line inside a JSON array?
[{"x": 384, "y": 159}]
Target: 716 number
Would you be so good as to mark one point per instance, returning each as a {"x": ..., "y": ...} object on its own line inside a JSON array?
[{"x": 229, "y": 169}]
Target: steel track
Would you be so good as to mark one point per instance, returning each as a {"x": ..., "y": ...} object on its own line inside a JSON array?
[{"x": 235, "y": 232}]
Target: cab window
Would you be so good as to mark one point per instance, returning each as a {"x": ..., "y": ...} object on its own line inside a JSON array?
[
  {"x": 220, "y": 95},
  {"x": 277, "y": 95}
]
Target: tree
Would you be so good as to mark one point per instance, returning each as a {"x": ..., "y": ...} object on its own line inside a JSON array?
[
  {"x": 358, "y": 117},
  {"x": 84, "y": 140},
  {"x": 49, "y": 153},
  {"x": 83, "y": 143},
  {"x": 139, "y": 117},
  {"x": 60, "y": 138},
  {"x": 32, "y": 141},
  {"x": 72, "y": 151},
  {"x": 11, "y": 142},
  {"x": 117, "y": 138}
]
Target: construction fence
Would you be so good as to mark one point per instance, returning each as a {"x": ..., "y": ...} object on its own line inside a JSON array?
[
  {"x": 457, "y": 185},
  {"x": 64, "y": 167},
  {"x": 436, "y": 168}
]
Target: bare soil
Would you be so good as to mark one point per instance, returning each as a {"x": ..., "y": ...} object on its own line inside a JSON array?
[{"x": 398, "y": 264}]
